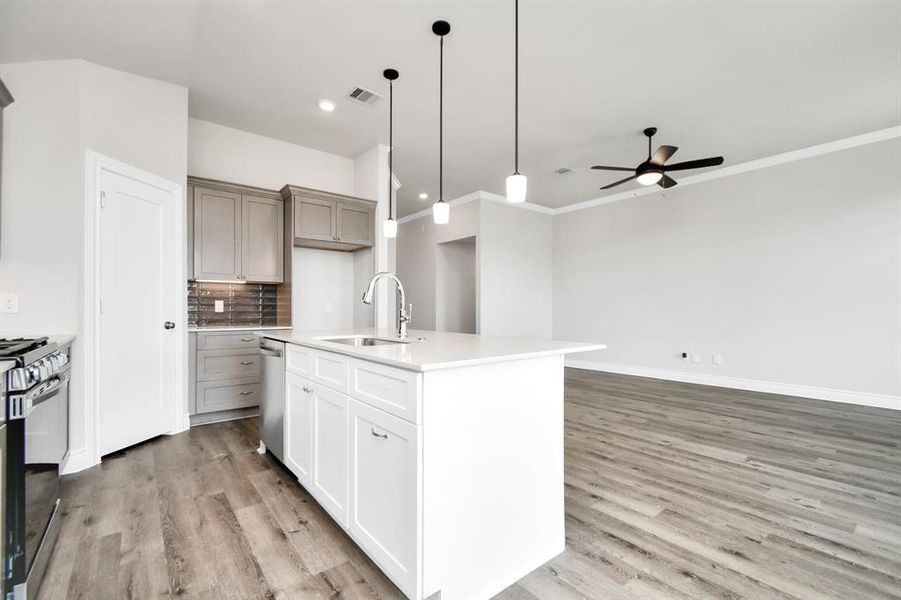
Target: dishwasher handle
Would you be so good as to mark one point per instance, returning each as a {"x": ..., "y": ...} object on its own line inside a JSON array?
[{"x": 272, "y": 353}]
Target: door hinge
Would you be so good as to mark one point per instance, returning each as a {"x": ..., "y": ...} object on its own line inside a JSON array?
[{"x": 102, "y": 199}]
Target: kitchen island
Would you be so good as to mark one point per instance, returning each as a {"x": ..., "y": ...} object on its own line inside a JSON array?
[{"x": 442, "y": 457}]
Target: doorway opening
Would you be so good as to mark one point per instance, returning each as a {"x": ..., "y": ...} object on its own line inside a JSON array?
[{"x": 456, "y": 289}]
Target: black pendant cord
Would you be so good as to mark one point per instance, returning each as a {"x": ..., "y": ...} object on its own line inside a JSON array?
[
  {"x": 391, "y": 75},
  {"x": 441, "y": 29},
  {"x": 441, "y": 122},
  {"x": 516, "y": 94},
  {"x": 390, "y": 148}
]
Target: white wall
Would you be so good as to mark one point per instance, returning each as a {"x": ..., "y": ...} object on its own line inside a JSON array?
[
  {"x": 455, "y": 286},
  {"x": 791, "y": 273},
  {"x": 417, "y": 242},
  {"x": 323, "y": 295},
  {"x": 226, "y": 154},
  {"x": 61, "y": 110},
  {"x": 516, "y": 262}
]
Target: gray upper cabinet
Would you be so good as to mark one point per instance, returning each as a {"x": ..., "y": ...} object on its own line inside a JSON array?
[
  {"x": 355, "y": 223},
  {"x": 237, "y": 236},
  {"x": 315, "y": 219},
  {"x": 262, "y": 239},
  {"x": 330, "y": 221},
  {"x": 217, "y": 235}
]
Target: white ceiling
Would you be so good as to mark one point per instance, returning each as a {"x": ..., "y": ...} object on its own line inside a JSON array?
[{"x": 741, "y": 79}]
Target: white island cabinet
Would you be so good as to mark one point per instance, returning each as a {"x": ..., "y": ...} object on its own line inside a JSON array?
[{"x": 442, "y": 458}]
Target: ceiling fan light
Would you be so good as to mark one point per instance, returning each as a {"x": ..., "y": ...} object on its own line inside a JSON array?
[
  {"x": 650, "y": 177},
  {"x": 389, "y": 228},
  {"x": 516, "y": 188},
  {"x": 441, "y": 213}
]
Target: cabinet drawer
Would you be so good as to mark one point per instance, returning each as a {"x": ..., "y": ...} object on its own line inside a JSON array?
[
  {"x": 330, "y": 369},
  {"x": 299, "y": 360},
  {"x": 214, "y": 396},
  {"x": 227, "y": 340},
  {"x": 396, "y": 391},
  {"x": 227, "y": 364}
]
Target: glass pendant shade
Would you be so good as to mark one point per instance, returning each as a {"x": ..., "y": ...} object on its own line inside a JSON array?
[
  {"x": 516, "y": 188},
  {"x": 441, "y": 213},
  {"x": 650, "y": 177},
  {"x": 389, "y": 227}
]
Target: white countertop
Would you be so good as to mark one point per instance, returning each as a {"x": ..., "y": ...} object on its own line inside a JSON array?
[{"x": 431, "y": 350}]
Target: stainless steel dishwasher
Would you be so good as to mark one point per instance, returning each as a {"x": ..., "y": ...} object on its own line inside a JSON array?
[{"x": 272, "y": 406}]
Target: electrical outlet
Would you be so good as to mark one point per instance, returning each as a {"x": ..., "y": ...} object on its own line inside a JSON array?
[
  {"x": 219, "y": 306},
  {"x": 695, "y": 358},
  {"x": 9, "y": 303},
  {"x": 717, "y": 359}
]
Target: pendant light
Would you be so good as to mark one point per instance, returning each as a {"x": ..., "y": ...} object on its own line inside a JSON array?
[
  {"x": 516, "y": 183},
  {"x": 441, "y": 209},
  {"x": 389, "y": 227}
]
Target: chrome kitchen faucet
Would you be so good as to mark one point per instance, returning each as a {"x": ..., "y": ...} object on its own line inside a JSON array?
[{"x": 403, "y": 314}]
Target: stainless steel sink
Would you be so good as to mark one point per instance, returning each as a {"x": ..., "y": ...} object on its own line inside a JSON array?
[{"x": 363, "y": 341}]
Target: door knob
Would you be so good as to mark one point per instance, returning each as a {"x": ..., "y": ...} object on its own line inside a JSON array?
[{"x": 169, "y": 325}]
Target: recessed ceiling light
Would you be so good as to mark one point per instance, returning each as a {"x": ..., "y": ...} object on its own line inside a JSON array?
[
  {"x": 327, "y": 105},
  {"x": 423, "y": 196}
]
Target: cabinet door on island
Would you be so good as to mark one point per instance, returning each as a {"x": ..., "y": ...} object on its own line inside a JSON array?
[
  {"x": 385, "y": 504},
  {"x": 299, "y": 428},
  {"x": 330, "y": 451}
]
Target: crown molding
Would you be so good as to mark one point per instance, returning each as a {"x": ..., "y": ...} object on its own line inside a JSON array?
[{"x": 745, "y": 167}]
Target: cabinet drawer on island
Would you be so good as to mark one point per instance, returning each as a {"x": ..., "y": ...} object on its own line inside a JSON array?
[{"x": 396, "y": 391}]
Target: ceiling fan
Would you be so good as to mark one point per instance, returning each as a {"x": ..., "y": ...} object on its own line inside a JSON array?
[{"x": 653, "y": 170}]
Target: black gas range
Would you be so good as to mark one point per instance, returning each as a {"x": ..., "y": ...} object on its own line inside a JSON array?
[{"x": 37, "y": 429}]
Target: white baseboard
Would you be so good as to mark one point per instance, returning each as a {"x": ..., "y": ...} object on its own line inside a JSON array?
[
  {"x": 76, "y": 460},
  {"x": 754, "y": 385},
  {"x": 183, "y": 424}
]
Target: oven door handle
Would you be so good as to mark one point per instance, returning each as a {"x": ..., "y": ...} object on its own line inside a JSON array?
[{"x": 21, "y": 405}]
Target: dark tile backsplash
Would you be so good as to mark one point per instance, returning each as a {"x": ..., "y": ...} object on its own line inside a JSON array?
[{"x": 245, "y": 304}]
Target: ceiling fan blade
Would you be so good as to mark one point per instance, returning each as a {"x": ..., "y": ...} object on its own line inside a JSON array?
[
  {"x": 603, "y": 168},
  {"x": 666, "y": 182},
  {"x": 616, "y": 183},
  {"x": 695, "y": 164},
  {"x": 662, "y": 155}
]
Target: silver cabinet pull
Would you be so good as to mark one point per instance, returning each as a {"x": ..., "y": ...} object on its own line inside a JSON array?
[
  {"x": 248, "y": 339},
  {"x": 384, "y": 436},
  {"x": 246, "y": 393},
  {"x": 246, "y": 362},
  {"x": 307, "y": 390}
]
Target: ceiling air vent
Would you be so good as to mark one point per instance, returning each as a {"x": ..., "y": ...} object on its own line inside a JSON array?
[
  {"x": 563, "y": 170},
  {"x": 364, "y": 96}
]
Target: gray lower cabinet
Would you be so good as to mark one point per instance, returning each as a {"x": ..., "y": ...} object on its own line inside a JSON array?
[
  {"x": 330, "y": 221},
  {"x": 215, "y": 396},
  {"x": 225, "y": 371},
  {"x": 237, "y": 236}
]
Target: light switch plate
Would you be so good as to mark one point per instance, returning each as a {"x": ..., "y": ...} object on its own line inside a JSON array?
[
  {"x": 219, "y": 306},
  {"x": 9, "y": 303}
]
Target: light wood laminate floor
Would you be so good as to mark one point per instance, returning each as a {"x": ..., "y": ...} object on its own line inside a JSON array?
[{"x": 672, "y": 491}]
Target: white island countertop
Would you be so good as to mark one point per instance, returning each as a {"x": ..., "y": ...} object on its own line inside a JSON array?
[{"x": 433, "y": 350}]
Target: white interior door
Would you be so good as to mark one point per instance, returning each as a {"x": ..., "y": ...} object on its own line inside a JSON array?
[{"x": 139, "y": 292}]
